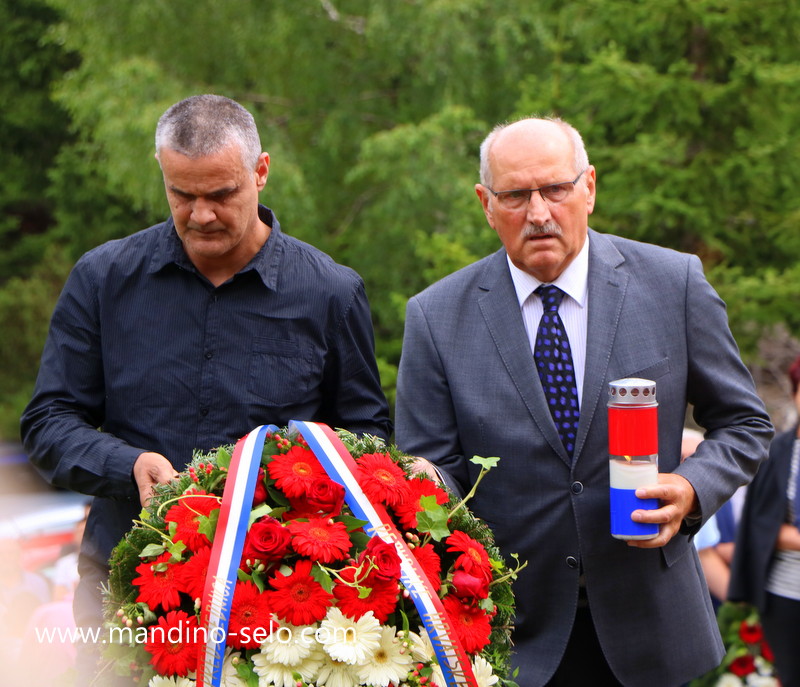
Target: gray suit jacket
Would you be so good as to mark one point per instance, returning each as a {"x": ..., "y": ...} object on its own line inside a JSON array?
[{"x": 467, "y": 386}]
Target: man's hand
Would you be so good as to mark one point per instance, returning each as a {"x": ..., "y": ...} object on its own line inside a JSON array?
[
  {"x": 151, "y": 469},
  {"x": 678, "y": 499},
  {"x": 421, "y": 466}
]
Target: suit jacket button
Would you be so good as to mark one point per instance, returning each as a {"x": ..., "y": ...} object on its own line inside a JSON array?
[
  {"x": 572, "y": 562},
  {"x": 576, "y": 488}
]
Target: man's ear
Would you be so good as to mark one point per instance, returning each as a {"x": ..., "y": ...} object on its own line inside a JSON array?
[{"x": 485, "y": 198}]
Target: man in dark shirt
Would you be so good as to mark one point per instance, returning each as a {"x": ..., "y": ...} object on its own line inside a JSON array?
[{"x": 189, "y": 334}]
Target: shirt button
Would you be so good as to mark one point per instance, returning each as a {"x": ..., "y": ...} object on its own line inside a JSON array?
[
  {"x": 576, "y": 488},
  {"x": 203, "y": 412},
  {"x": 572, "y": 562},
  {"x": 209, "y": 355}
]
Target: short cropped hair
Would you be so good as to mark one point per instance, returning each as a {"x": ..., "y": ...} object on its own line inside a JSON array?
[
  {"x": 205, "y": 124},
  {"x": 580, "y": 159}
]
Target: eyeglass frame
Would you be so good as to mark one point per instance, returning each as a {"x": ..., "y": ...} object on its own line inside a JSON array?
[{"x": 531, "y": 191}]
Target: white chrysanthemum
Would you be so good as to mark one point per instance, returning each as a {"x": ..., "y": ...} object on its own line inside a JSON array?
[
  {"x": 482, "y": 670},
  {"x": 390, "y": 662},
  {"x": 230, "y": 676},
  {"x": 729, "y": 680},
  {"x": 347, "y": 640},
  {"x": 175, "y": 681},
  {"x": 421, "y": 647},
  {"x": 764, "y": 667},
  {"x": 278, "y": 675},
  {"x": 754, "y": 680},
  {"x": 290, "y": 645},
  {"x": 335, "y": 673}
]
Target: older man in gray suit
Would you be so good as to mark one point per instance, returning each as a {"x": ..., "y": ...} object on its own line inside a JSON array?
[{"x": 591, "y": 609}]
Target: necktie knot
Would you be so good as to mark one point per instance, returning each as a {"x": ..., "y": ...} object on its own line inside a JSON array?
[{"x": 551, "y": 297}]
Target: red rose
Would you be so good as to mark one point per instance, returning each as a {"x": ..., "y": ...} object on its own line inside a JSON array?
[
  {"x": 384, "y": 559},
  {"x": 470, "y": 587},
  {"x": 751, "y": 633},
  {"x": 267, "y": 541},
  {"x": 743, "y": 665},
  {"x": 766, "y": 652},
  {"x": 260, "y": 494},
  {"x": 326, "y": 496}
]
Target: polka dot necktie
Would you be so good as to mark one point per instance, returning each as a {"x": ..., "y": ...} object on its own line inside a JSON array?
[{"x": 553, "y": 359}]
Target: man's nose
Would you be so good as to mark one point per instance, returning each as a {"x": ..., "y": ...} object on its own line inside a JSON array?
[
  {"x": 538, "y": 209},
  {"x": 203, "y": 211}
]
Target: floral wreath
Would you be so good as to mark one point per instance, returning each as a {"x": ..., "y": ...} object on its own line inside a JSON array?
[
  {"x": 748, "y": 658},
  {"x": 318, "y": 602}
]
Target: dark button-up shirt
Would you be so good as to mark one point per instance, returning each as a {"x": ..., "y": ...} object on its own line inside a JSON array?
[{"x": 145, "y": 349}]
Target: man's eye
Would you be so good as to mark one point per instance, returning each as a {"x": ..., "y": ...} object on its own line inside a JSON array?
[
  {"x": 556, "y": 191},
  {"x": 517, "y": 195}
]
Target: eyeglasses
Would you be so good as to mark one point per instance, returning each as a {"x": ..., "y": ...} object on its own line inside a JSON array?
[{"x": 518, "y": 198}]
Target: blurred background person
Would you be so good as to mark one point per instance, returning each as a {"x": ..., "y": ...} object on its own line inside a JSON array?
[{"x": 766, "y": 563}]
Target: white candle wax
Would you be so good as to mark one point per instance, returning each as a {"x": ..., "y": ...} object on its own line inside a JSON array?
[{"x": 625, "y": 475}]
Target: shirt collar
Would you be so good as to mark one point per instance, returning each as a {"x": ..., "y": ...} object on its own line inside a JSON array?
[
  {"x": 572, "y": 280},
  {"x": 169, "y": 251}
]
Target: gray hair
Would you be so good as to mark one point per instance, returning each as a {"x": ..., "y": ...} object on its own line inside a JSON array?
[
  {"x": 205, "y": 124},
  {"x": 580, "y": 157}
]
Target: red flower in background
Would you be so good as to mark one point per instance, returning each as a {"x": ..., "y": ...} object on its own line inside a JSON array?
[
  {"x": 382, "y": 558},
  {"x": 751, "y": 633},
  {"x": 743, "y": 665},
  {"x": 320, "y": 539},
  {"x": 375, "y": 594},
  {"x": 187, "y": 514},
  {"x": 407, "y": 509},
  {"x": 250, "y": 619},
  {"x": 260, "y": 493},
  {"x": 298, "y": 598},
  {"x": 430, "y": 563},
  {"x": 157, "y": 583},
  {"x": 470, "y": 623},
  {"x": 382, "y": 480},
  {"x": 473, "y": 558},
  {"x": 470, "y": 588},
  {"x": 191, "y": 575},
  {"x": 267, "y": 541},
  {"x": 295, "y": 471},
  {"x": 766, "y": 652},
  {"x": 172, "y": 643}
]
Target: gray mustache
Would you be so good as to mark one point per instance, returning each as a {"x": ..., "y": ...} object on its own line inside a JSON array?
[{"x": 549, "y": 228}]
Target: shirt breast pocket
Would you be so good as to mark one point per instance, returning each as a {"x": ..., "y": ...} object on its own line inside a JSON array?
[{"x": 280, "y": 371}]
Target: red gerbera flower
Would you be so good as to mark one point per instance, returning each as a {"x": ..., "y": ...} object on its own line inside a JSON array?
[
  {"x": 751, "y": 633},
  {"x": 157, "y": 582},
  {"x": 295, "y": 471},
  {"x": 471, "y": 624},
  {"x": 382, "y": 479},
  {"x": 298, "y": 598},
  {"x": 320, "y": 539},
  {"x": 430, "y": 563},
  {"x": 250, "y": 621},
  {"x": 172, "y": 644},
  {"x": 187, "y": 514},
  {"x": 191, "y": 575},
  {"x": 375, "y": 594},
  {"x": 473, "y": 558},
  {"x": 406, "y": 511},
  {"x": 743, "y": 665}
]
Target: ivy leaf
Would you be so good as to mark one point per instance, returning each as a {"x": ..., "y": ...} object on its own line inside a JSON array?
[
  {"x": 323, "y": 577},
  {"x": 258, "y": 512},
  {"x": 485, "y": 463},
  {"x": 152, "y": 550},
  {"x": 433, "y": 519},
  {"x": 207, "y": 524},
  {"x": 352, "y": 523}
]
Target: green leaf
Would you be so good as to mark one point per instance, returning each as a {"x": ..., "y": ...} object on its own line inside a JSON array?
[
  {"x": 152, "y": 550},
  {"x": 352, "y": 523},
  {"x": 485, "y": 463},
  {"x": 259, "y": 512},
  {"x": 433, "y": 519},
  {"x": 323, "y": 577},
  {"x": 223, "y": 457},
  {"x": 207, "y": 524}
]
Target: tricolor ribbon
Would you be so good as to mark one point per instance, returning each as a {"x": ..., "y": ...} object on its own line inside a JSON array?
[
  {"x": 226, "y": 553},
  {"x": 341, "y": 468}
]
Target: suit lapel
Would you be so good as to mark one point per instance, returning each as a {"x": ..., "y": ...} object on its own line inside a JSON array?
[
  {"x": 607, "y": 286},
  {"x": 498, "y": 303}
]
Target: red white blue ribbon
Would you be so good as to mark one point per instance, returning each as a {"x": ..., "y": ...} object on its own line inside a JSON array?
[
  {"x": 226, "y": 553},
  {"x": 340, "y": 466}
]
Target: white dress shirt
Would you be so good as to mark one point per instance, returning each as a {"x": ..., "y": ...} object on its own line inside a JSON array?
[{"x": 573, "y": 310}]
